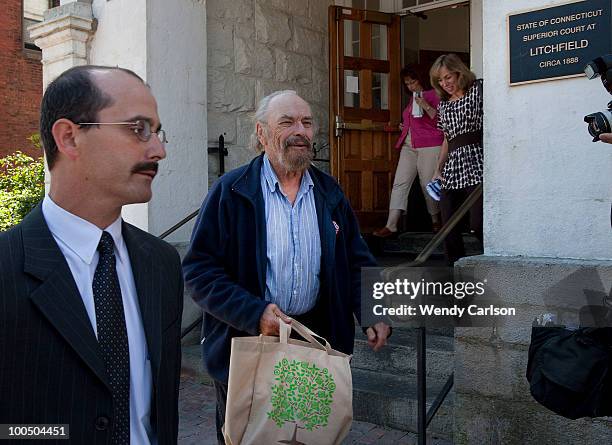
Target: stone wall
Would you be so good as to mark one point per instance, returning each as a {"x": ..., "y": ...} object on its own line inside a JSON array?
[
  {"x": 256, "y": 47},
  {"x": 492, "y": 403}
]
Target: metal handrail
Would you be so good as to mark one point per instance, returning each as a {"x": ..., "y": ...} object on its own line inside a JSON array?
[
  {"x": 179, "y": 224},
  {"x": 439, "y": 237},
  {"x": 222, "y": 152},
  {"x": 191, "y": 327},
  {"x": 171, "y": 230},
  {"x": 424, "y": 417}
]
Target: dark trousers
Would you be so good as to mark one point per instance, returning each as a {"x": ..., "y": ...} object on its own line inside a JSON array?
[
  {"x": 221, "y": 389},
  {"x": 450, "y": 201}
]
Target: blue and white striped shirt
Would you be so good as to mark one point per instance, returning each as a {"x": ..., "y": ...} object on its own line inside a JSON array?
[{"x": 293, "y": 244}]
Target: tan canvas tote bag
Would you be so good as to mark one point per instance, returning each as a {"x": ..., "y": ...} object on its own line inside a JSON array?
[{"x": 288, "y": 391}]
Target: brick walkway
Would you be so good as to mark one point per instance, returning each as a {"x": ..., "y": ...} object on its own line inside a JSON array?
[{"x": 197, "y": 422}]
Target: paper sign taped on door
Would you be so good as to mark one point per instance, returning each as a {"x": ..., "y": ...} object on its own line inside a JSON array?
[{"x": 352, "y": 84}]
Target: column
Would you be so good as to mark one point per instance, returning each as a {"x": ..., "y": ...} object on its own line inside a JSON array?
[{"x": 63, "y": 37}]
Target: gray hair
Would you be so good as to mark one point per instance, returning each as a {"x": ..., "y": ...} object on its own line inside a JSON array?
[{"x": 261, "y": 116}]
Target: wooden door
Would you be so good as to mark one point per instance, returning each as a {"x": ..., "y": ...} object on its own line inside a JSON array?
[{"x": 365, "y": 108}]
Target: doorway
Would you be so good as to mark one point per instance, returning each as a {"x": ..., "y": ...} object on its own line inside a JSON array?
[{"x": 367, "y": 50}]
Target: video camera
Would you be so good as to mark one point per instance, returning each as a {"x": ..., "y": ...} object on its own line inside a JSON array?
[{"x": 601, "y": 121}]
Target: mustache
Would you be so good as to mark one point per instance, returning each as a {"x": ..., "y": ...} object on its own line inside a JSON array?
[
  {"x": 297, "y": 140},
  {"x": 145, "y": 166}
]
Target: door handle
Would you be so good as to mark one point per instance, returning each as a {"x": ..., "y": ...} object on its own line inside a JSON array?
[
  {"x": 363, "y": 127},
  {"x": 341, "y": 125}
]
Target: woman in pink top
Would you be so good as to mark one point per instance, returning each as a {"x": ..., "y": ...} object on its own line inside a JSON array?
[{"x": 420, "y": 143}]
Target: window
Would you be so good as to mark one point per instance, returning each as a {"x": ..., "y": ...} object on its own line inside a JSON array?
[
  {"x": 372, "y": 5},
  {"x": 33, "y": 11},
  {"x": 432, "y": 3}
]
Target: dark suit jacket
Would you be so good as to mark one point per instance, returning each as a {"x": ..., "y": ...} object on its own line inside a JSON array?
[
  {"x": 225, "y": 266},
  {"x": 51, "y": 369}
]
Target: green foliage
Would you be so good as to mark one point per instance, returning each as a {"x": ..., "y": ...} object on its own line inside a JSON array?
[
  {"x": 303, "y": 394},
  {"x": 22, "y": 186},
  {"x": 35, "y": 140}
]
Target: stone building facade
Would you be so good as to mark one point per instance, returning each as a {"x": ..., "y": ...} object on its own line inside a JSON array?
[
  {"x": 547, "y": 188},
  {"x": 231, "y": 55},
  {"x": 548, "y": 241},
  {"x": 256, "y": 47}
]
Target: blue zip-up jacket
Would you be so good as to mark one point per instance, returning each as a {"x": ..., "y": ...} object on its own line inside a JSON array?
[{"x": 225, "y": 267}]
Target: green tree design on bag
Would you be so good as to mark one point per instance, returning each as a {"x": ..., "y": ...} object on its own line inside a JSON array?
[{"x": 303, "y": 395}]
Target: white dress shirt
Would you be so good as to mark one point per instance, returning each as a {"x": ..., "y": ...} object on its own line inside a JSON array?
[{"x": 78, "y": 240}]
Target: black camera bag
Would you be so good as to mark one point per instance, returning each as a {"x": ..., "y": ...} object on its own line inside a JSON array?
[{"x": 569, "y": 371}]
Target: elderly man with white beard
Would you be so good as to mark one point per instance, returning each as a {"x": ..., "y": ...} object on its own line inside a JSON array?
[{"x": 274, "y": 239}]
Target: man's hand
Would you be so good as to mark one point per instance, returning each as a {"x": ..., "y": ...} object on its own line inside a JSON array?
[
  {"x": 377, "y": 335},
  {"x": 606, "y": 137},
  {"x": 268, "y": 323}
]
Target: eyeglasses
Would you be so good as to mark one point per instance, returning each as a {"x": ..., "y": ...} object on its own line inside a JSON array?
[{"x": 141, "y": 128}]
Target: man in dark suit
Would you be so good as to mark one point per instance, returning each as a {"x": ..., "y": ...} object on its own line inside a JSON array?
[
  {"x": 90, "y": 305},
  {"x": 277, "y": 238}
]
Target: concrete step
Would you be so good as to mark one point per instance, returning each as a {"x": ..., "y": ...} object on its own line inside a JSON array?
[
  {"x": 391, "y": 401},
  {"x": 413, "y": 243},
  {"x": 399, "y": 357}
]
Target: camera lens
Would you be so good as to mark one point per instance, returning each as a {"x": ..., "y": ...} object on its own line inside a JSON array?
[
  {"x": 591, "y": 71},
  {"x": 600, "y": 122}
]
